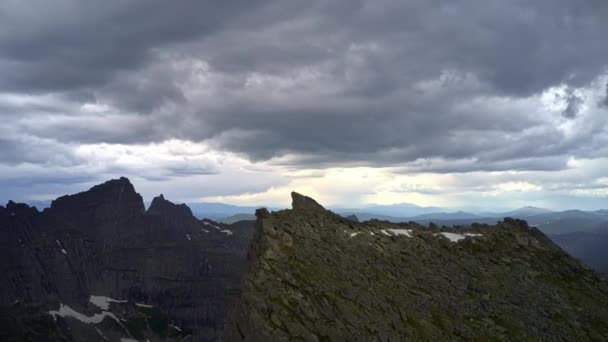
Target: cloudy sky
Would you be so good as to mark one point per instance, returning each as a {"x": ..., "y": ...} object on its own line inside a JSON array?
[{"x": 468, "y": 104}]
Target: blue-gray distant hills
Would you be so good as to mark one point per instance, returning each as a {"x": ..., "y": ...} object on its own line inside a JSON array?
[{"x": 219, "y": 211}]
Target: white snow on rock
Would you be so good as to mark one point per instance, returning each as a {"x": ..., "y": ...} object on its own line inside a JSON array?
[
  {"x": 372, "y": 233},
  {"x": 58, "y": 243},
  {"x": 66, "y": 311},
  {"x": 226, "y": 231},
  {"x": 405, "y": 232},
  {"x": 64, "y": 251},
  {"x": 103, "y": 302},
  {"x": 205, "y": 230},
  {"x": 141, "y": 305},
  {"x": 454, "y": 237},
  {"x": 188, "y": 237},
  {"x": 355, "y": 234},
  {"x": 175, "y": 327},
  {"x": 211, "y": 225}
]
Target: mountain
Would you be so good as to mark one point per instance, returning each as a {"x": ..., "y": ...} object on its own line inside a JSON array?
[
  {"x": 316, "y": 276},
  {"x": 519, "y": 213},
  {"x": 589, "y": 247},
  {"x": 424, "y": 218},
  {"x": 580, "y": 233},
  {"x": 217, "y": 211},
  {"x": 459, "y": 215},
  {"x": 392, "y": 211},
  {"x": 97, "y": 266},
  {"x": 237, "y": 217}
]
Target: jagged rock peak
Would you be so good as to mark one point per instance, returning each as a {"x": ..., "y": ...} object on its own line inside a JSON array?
[
  {"x": 122, "y": 185},
  {"x": 20, "y": 207},
  {"x": 406, "y": 282},
  {"x": 162, "y": 206},
  {"x": 115, "y": 191},
  {"x": 262, "y": 213},
  {"x": 301, "y": 202}
]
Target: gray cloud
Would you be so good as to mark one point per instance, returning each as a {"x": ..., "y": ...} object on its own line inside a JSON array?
[
  {"x": 70, "y": 45},
  {"x": 19, "y": 150},
  {"x": 327, "y": 82}
]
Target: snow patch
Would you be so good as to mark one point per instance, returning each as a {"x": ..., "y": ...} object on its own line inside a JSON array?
[
  {"x": 211, "y": 225},
  {"x": 396, "y": 232},
  {"x": 58, "y": 243},
  {"x": 454, "y": 237},
  {"x": 204, "y": 230},
  {"x": 103, "y": 302},
  {"x": 188, "y": 237},
  {"x": 226, "y": 231},
  {"x": 64, "y": 251},
  {"x": 355, "y": 234},
  {"x": 175, "y": 327},
  {"x": 144, "y": 305},
  {"x": 66, "y": 311}
]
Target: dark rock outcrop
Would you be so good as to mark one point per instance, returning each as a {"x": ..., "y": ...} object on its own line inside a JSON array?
[
  {"x": 316, "y": 276},
  {"x": 181, "y": 271},
  {"x": 301, "y": 202}
]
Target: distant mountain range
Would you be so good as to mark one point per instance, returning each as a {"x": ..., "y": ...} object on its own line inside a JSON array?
[{"x": 221, "y": 211}]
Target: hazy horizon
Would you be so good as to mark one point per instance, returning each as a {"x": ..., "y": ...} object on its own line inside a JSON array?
[{"x": 287, "y": 204}]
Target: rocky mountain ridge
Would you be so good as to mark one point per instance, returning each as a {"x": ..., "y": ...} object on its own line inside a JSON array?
[
  {"x": 316, "y": 276},
  {"x": 164, "y": 274}
]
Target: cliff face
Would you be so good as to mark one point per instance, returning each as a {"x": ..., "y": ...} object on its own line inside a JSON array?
[
  {"x": 315, "y": 276},
  {"x": 162, "y": 274}
]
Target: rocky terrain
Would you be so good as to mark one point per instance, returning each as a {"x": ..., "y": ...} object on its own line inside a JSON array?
[
  {"x": 98, "y": 266},
  {"x": 316, "y": 276}
]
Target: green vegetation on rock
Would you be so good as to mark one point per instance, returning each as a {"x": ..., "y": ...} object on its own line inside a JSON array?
[{"x": 315, "y": 276}]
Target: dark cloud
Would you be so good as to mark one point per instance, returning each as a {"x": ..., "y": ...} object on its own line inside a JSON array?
[
  {"x": 72, "y": 45},
  {"x": 324, "y": 82},
  {"x": 573, "y": 104},
  {"x": 19, "y": 150}
]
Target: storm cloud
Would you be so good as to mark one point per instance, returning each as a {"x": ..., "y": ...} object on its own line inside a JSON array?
[{"x": 421, "y": 86}]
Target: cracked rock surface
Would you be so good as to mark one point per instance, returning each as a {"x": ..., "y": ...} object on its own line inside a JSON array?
[
  {"x": 315, "y": 276},
  {"x": 170, "y": 276}
]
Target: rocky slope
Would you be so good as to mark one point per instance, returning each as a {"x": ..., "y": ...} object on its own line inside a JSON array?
[
  {"x": 97, "y": 266},
  {"x": 315, "y": 276}
]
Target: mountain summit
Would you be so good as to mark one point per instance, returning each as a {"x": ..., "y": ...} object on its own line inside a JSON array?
[
  {"x": 316, "y": 276},
  {"x": 96, "y": 266}
]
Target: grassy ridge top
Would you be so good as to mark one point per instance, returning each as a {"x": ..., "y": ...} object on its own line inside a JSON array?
[{"x": 315, "y": 276}]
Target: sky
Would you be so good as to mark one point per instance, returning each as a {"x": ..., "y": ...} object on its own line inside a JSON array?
[{"x": 470, "y": 104}]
